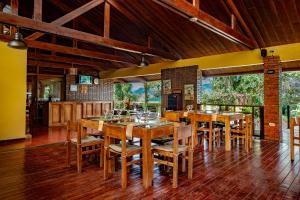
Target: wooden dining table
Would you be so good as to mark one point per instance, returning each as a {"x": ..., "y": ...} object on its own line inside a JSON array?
[
  {"x": 146, "y": 133},
  {"x": 224, "y": 117}
]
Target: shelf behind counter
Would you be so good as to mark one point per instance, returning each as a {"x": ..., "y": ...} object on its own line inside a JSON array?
[{"x": 61, "y": 112}]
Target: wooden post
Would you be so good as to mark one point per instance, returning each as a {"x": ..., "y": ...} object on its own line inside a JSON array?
[
  {"x": 233, "y": 22},
  {"x": 106, "y": 20},
  {"x": 38, "y": 10},
  {"x": 196, "y": 3},
  {"x": 1, "y": 10},
  {"x": 14, "y": 10}
]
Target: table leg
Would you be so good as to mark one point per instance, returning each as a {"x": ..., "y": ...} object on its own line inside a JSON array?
[
  {"x": 147, "y": 160},
  {"x": 227, "y": 135},
  {"x": 210, "y": 137},
  {"x": 292, "y": 143}
]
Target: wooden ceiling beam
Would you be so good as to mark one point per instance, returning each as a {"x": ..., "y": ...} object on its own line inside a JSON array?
[
  {"x": 79, "y": 52},
  {"x": 38, "y": 10},
  {"x": 82, "y": 36},
  {"x": 206, "y": 21},
  {"x": 31, "y": 62},
  {"x": 67, "y": 60},
  {"x": 72, "y": 51},
  {"x": 241, "y": 20},
  {"x": 68, "y": 17}
]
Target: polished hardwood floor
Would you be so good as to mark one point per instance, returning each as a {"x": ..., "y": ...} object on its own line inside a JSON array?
[{"x": 39, "y": 172}]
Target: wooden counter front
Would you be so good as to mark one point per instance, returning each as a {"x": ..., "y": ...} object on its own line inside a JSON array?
[{"x": 61, "y": 112}]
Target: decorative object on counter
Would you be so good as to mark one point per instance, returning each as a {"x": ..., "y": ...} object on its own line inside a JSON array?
[
  {"x": 167, "y": 86},
  {"x": 189, "y": 92}
]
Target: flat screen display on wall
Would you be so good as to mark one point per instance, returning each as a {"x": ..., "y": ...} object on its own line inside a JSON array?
[{"x": 83, "y": 79}]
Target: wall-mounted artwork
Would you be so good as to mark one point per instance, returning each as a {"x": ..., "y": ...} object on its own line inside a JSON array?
[
  {"x": 167, "y": 88},
  {"x": 73, "y": 88},
  {"x": 84, "y": 89},
  {"x": 189, "y": 92}
]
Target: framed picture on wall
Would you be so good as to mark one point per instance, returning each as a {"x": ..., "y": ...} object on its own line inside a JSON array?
[
  {"x": 189, "y": 92},
  {"x": 73, "y": 88},
  {"x": 167, "y": 88}
]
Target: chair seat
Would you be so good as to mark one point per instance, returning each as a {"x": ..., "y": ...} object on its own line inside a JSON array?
[
  {"x": 162, "y": 140},
  {"x": 118, "y": 147},
  {"x": 86, "y": 139},
  {"x": 169, "y": 147}
]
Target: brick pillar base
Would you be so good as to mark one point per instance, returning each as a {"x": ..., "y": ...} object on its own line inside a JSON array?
[{"x": 272, "y": 104}]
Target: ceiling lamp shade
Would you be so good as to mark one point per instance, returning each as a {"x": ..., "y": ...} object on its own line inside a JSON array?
[
  {"x": 143, "y": 62},
  {"x": 17, "y": 42}
]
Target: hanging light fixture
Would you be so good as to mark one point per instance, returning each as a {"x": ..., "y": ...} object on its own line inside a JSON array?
[
  {"x": 17, "y": 42},
  {"x": 143, "y": 62}
]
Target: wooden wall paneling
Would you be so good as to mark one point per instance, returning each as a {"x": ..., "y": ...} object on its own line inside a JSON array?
[
  {"x": 55, "y": 113},
  {"x": 97, "y": 109},
  {"x": 69, "y": 112},
  {"x": 89, "y": 109},
  {"x": 79, "y": 111},
  {"x": 61, "y": 112}
]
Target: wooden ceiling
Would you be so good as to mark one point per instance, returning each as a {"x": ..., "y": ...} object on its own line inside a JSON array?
[{"x": 147, "y": 23}]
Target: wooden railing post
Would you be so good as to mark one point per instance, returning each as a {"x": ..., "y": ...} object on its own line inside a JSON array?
[{"x": 288, "y": 116}]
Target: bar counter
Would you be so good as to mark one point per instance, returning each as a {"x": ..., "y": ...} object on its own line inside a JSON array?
[{"x": 61, "y": 112}]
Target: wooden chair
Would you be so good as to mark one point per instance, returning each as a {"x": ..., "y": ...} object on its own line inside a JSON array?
[
  {"x": 183, "y": 143},
  {"x": 124, "y": 149},
  {"x": 85, "y": 144},
  {"x": 172, "y": 116},
  {"x": 243, "y": 131},
  {"x": 214, "y": 134},
  {"x": 294, "y": 122}
]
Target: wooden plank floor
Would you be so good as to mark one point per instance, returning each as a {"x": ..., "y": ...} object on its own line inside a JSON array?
[{"x": 264, "y": 173}]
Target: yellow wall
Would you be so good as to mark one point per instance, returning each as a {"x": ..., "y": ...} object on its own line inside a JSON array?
[
  {"x": 288, "y": 52},
  {"x": 13, "y": 92}
]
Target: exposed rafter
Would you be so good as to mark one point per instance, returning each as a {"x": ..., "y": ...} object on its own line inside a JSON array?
[
  {"x": 79, "y": 52},
  {"x": 31, "y": 62},
  {"x": 74, "y": 51},
  {"x": 240, "y": 19},
  {"x": 82, "y": 36},
  {"x": 68, "y": 17},
  {"x": 207, "y": 21},
  {"x": 52, "y": 58}
]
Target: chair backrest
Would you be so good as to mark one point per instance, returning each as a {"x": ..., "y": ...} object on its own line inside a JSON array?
[
  {"x": 72, "y": 127},
  {"x": 295, "y": 121},
  {"x": 172, "y": 116},
  {"x": 112, "y": 131},
  {"x": 183, "y": 134},
  {"x": 207, "y": 118}
]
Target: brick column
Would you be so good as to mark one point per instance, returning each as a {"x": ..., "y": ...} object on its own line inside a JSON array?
[{"x": 272, "y": 103}]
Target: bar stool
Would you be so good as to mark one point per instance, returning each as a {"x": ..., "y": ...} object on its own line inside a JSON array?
[{"x": 294, "y": 122}]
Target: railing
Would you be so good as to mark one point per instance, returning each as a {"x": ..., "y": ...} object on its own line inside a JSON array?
[{"x": 256, "y": 111}]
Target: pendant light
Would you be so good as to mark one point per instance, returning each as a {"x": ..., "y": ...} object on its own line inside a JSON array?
[
  {"x": 17, "y": 42},
  {"x": 143, "y": 62}
]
